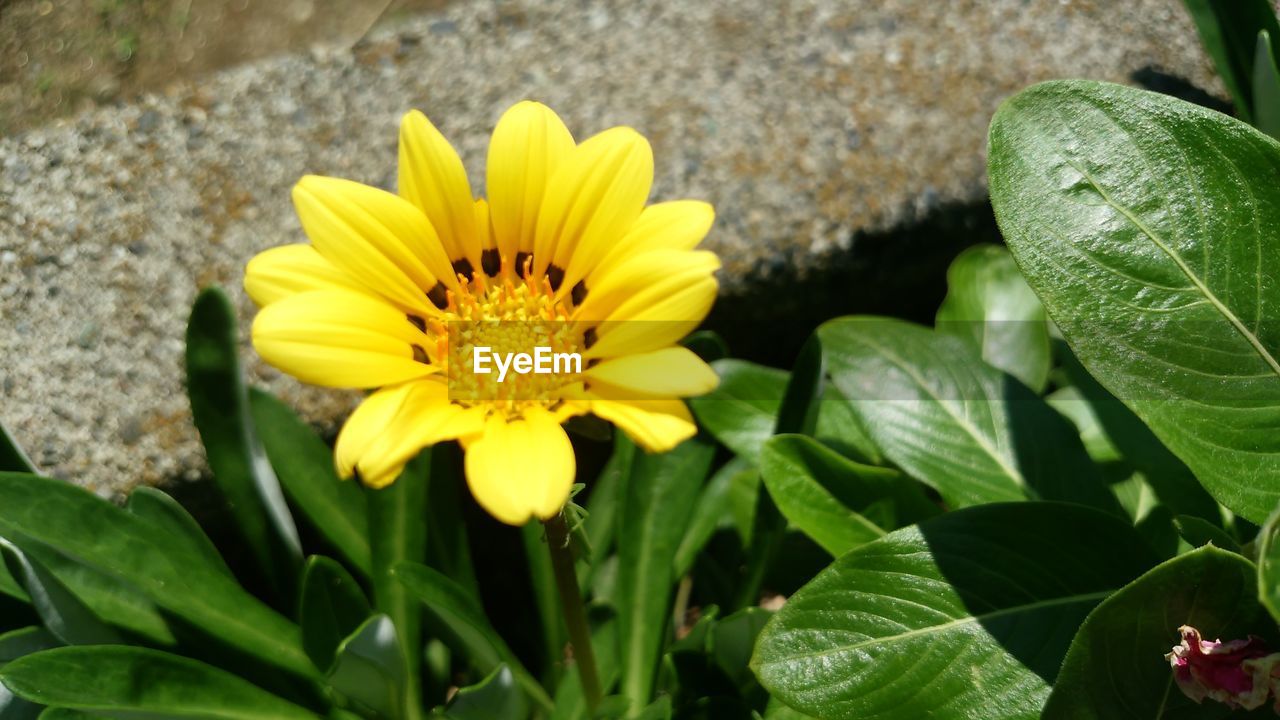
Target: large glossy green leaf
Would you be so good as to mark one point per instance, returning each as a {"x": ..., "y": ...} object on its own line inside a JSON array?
[
  {"x": 332, "y": 607},
  {"x": 1147, "y": 225},
  {"x": 949, "y": 419},
  {"x": 742, "y": 412},
  {"x": 658, "y": 503},
  {"x": 1113, "y": 669},
  {"x": 369, "y": 668},
  {"x": 61, "y": 612},
  {"x": 964, "y": 615},
  {"x": 991, "y": 307},
  {"x": 304, "y": 464},
  {"x": 68, "y": 521},
  {"x": 460, "y": 615},
  {"x": 220, "y": 408},
  {"x": 176, "y": 523},
  {"x": 397, "y": 524},
  {"x": 1229, "y": 29},
  {"x": 838, "y": 503},
  {"x": 147, "y": 683}
]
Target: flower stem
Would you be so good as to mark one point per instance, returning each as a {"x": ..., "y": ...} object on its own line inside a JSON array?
[{"x": 575, "y": 614}]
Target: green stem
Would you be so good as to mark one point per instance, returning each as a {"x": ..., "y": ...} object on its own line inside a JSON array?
[{"x": 575, "y": 614}]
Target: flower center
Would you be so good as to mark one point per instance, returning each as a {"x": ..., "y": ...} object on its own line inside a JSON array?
[{"x": 488, "y": 323}]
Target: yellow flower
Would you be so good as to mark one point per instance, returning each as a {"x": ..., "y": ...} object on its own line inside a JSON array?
[{"x": 396, "y": 291}]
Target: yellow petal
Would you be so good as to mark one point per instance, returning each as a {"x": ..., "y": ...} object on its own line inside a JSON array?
[
  {"x": 667, "y": 373},
  {"x": 522, "y": 469},
  {"x": 656, "y": 426},
  {"x": 433, "y": 178},
  {"x": 379, "y": 239},
  {"x": 654, "y": 318},
  {"x": 291, "y": 269},
  {"x": 340, "y": 338},
  {"x": 528, "y": 145},
  {"x": 393, "y": 424},
  {"x": 666, "y": 268},
  {"x": 592, "y": 200},
  {"x": 676, "y": 225}
]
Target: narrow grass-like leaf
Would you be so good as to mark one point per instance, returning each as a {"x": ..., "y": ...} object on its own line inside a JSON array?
[
  {"x": 742, "y": 412},
  {"x": 1147, "y": 227},
  {"x": 711, "y": 511},
  {"x": 658, "y": 504},
  {"x": 332, "y": 607},
  {"x": 61, "y": 612},
  {"x": 176, "y": 523},
  {"x": 462, "y": 616},
  {"x": 65, "y": 520},
  {"x": 546, "y": 599},
  {"x": 304, "y": 464},
  {"x": 399, "y": 535},
  {"x": 964, "y": 615},
  {"x": 1229, "y": 29},
  {"x": 990, "y": 306},
  {"x": 604, "y": 507},
  {"x": 220, "y": 408},
  {"x": 1115, "y": 669},
  {"x": 12, "y": 458},
  {"x": 1266, "y": 87},
  {"x": 147, "y": 683},
  {"x": 369, "y": 668},
  {"x": 24, "y": 641},
  {"x": 497, "y": 697},
  {"x": 944, "y": 416}
]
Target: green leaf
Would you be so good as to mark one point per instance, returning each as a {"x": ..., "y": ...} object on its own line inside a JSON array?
[
  {"x": 732, "y": 641},
  {"x": 220, "y": 408},
  {"x": 798, "y": 412},
  {"x": 990, "y": 306},
  {"x": 61, "y": 519},
  {"x": 13, "y": 707},
  {"x": 24, "y": 641},
  {"x": 1197, "y": 532},
  {"x": 1167, "y": 476},
  {"x": 742, "y": 412},
  {"x": 659, "y": 500},
  {"x": 1146, "y": 226},
  {"x": 399, "y": 535},
  {"x": 494, "y": 698},
  {"x": 106, "y": 679},
  {"x": 1269, "y": 565},
  {"x": 1229, "y": 29},
  {"x": 839, "y": 428},
  {"x": 546, "y": 599},
  {"x": 338, "y": 510},
  {"x": 461, "y": 616},
  {"x": 603, "y": 507},
  {"x": 175, "y": 523},
  {"x": 1266, "y": 87},
  {"x": 332, "y": 607},
  {"x": 962, "y": 615},
  {"x": 830, "y": 498},
  {"x": 1114, "y": 667},
  {"x": 60, "y": 611},
  {"x": 947, "y": 418},
  {"x": 12, "y": 458},
  {"x": 710, "y": 512},
  {"x": 369, "y": 668}
]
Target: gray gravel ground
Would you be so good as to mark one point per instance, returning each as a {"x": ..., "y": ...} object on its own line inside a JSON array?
[{"x": 801, "y": 121}]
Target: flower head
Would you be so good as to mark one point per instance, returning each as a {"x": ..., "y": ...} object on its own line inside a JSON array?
[
  {"x": 1238, "y": 673},
  {"x": 397, "y": 292}
]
